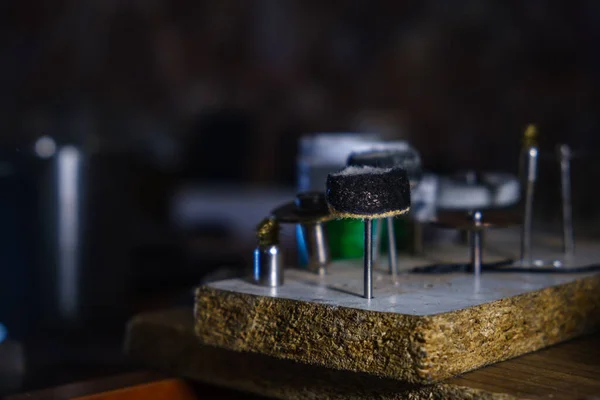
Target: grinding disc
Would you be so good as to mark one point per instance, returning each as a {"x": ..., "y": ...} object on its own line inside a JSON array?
[
  {"x": 368, "y": 192},
  {"x": 490, "y": 219}
]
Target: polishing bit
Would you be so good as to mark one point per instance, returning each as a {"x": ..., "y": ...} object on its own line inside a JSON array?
[
  {"x": 390, "y": 158},
  {"x": 368, "y": 193}
]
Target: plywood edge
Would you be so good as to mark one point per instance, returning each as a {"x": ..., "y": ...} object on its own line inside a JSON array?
[
  {"x": 165, "y": 340},
  {"x": 468, "y": 339},
  {"x": 416, "y": 349},
  {"x": 383, "y": 344}
]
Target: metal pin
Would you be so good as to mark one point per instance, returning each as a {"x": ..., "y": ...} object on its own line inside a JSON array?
[
  {"x": 531, "y": 163},
  {"x": 368, "y": 260},
  {"x": 392, "y": 253},
  {"x": 268, "y": 266},
  {"x": 476, "y": 253},
  {"x": 564, "y": 156},
  {"x": 417, "y": 238},
  {"x": 377, "y": 240}
]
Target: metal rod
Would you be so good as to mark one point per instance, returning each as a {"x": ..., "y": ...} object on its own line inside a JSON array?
[
  {"x": 392, "y": 252},
  {"x": 368, "y": 256},
  {"x": 322, "y": 249},
  {"x": 377, "y": 240},
  {"x": 317, "y": 247},
  {"x": 476, "y": 253},
  {"x": 531, "y": 162},
  {"x": 564, "y": 155},
  {"x": 416, "y": 244}
]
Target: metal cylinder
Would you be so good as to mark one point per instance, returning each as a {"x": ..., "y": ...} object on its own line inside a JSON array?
[
  {"x": 368, "y": 260},
  {"x": 378, "y": 230},
  {"x": 417, "y": 238},
  {"x": 317, "y": 246},
  {"x": 531, "y": 159},
  {"x": 476, "y": 245},
  {"x": 564, "y": 156},
  {"x": 63, "y": 239},
  {"x": 268, "y": 266},
  {"x": 392, "y": 252}
]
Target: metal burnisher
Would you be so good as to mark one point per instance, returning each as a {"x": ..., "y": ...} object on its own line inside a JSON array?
[{"x": 268, "y": 258}]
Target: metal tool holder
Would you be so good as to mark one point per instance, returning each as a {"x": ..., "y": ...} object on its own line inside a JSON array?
[
  {"x": 529, "y": 172},
  {"x": 443, "y": 306},
  {"x": 475, "y": 223},
  {"x": 310, "y": 211}
]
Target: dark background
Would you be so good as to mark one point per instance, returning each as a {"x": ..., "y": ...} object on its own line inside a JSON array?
[
  {"x": 163, "y": 94},
  {"x": 460, "y": 78},
  {"x": 223, "y": 89}
]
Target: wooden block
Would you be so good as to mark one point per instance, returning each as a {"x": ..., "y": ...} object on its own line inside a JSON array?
[
  {"x": 165, "y": 340},
  {"x": 421, "y": 329}
]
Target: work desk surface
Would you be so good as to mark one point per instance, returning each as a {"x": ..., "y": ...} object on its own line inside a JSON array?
[{"x": 570, "y": 370}]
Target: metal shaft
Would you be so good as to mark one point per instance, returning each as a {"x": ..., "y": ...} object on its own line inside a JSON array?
[
  {"x": 476, "y": 246},
  {"x": 377, "y": 239},
  {"x": 317, "y": 246},
  {"x": 392, "y": 252},
  {"x": 416, "y": 244},
  {"x": 531, "y": 158},
  {"x": 368, "y": 257},
  {"x": 564, "y": 154}
]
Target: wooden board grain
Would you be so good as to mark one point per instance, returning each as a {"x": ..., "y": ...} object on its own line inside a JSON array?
[
  {"x": 570, "y": 370},
  {"x": 424, "y": 330},
  {"x": 165, "y": 340}
]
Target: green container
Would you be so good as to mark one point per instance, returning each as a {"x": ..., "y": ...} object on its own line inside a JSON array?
[{"x": 346, "y": 237}]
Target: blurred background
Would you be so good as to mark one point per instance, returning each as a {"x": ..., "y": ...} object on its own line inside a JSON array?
[{"x": 177, "y": 125}]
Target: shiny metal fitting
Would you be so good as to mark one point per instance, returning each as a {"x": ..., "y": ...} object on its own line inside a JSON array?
[
  {"x": 476, "y": 246},
  {"x": 564, "y": 158},
  {"x": 268, "y": 266},
  {"x": 317, "y": 246},
  {"x": 529, "y": 173}
]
